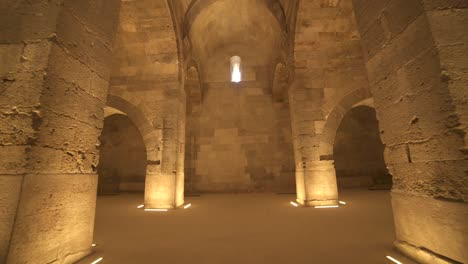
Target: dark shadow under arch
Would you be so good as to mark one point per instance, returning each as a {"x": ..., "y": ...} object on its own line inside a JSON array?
[
  {"x": 358, "y": 151},
  {"x": 122, "y": 156}
]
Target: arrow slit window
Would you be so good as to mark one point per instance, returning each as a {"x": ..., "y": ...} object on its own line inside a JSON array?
[{"x": 236, "y": 72}]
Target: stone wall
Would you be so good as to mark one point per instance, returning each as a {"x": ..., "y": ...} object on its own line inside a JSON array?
[{"x": 241, "y": 140}]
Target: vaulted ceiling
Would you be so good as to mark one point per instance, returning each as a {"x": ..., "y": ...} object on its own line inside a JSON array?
[{"x": 215, "y": 30}]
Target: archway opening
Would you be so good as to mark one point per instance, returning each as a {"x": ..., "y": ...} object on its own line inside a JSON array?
[
  {"x": 358, "y": 151},
  {"x": 122, "y": 158}
]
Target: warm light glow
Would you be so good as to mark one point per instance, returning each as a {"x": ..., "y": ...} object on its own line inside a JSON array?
[
  {"x": 294, "y": 204},
  {"x": 341, "y": 202},
  {"x": 156, "y": 210},
  {"x": 93, "y": 245},
  {"x": 236, "y": 74},
  {"x": 187, "y": 206},
  {"x": 141, "y": 206},
  {"x": 394, "y": 260},
  {"x": 326, "y": 206},
  {"x": 97, "y": 260}
]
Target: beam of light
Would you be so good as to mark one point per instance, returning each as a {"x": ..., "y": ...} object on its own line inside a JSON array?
[
  {"x": 326, "y": 206},
  {"x": 141, "y": 206},
  {"x": 341, "y": 202},
  {"x": 394, "y": 260},
  {"x": 156, "y": 210},
  {"x": 294, "y": 204},
  {"x": 97, "y": 260},
  {"x": 93, "y": 245},
  {"x": 187, "y": 206}
]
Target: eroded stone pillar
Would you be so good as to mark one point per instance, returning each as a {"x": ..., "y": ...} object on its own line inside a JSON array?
[
  {"x": 24, "y": 52},
  {"x": 54, "y": 219},
  {"x": 417, "y": 70}
]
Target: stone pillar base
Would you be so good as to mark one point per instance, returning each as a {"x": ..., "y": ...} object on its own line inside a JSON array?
[
  {"x": 317, "y": 202},
  {"x": 320, "y": 184},
  {"x": 421, "y": 255},
  {"x": 431, "y": 225}
]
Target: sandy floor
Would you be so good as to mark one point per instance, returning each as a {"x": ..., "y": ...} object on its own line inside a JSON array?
[{"x": 246, "y": 228}]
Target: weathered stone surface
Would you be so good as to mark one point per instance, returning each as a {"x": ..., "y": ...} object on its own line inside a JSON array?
[{"x": 305, "y": 65}]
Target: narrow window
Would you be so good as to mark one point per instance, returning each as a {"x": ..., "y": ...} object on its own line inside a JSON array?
[{"x": 236, "y": 74}]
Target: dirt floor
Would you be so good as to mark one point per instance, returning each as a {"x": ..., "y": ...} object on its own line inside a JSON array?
[{"x": 246, "y": 228}]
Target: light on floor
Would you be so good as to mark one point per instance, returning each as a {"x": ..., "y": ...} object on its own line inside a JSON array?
[
  {"x": 394, "y": 260},
  {"x": 326, "y": 206},
  {"x": 341, "y": 202},
  {"x": 294, "y": 204},
  {"x": 141, "y": 206},
  {"x": 156, "y": 210},
  {"x": 97, "y": 260},
  {"x": 93, "y": 245},
  {"x": 187, "y": 206}
]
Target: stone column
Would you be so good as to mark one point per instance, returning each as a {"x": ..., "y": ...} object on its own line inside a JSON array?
[
  {"x": 54, "y": 220},
  {"x": 164, "y": 186},
  {"x": 417, "y": 70},
  {"x": 315, "y": 178},
  {"x": 24, "y": 52}
]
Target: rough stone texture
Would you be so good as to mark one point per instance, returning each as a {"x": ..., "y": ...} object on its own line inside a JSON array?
[
  {"x": 420, "y": 222},
  {"x": 145, "y": 74},
  {"x": 421, "y": 112},
  {"x": 329, "y": 69},
  {"x": 23, "y": 55},
  {"x": 122, "y": 156},
  {"x": 169, "y": 73},
  {"x": 63, "y": 63}
]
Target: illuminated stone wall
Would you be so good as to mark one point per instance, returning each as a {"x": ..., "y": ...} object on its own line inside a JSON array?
[
  {"x": 241, "y": 140},
  {"x": 145, "y": 75},
  {"x": 415, "y": 72},
  {"x": 59, "y": 67},
  {"x": 329, "y": 71}
]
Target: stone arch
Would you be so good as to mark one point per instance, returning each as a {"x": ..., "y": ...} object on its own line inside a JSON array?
[
  {"x": 416, "y": 87},
  {"x": 122, "y": 156},
  {"x": 358, "y": 151},
  {"x": 334, "y": 118},
  {"x": 149, "y": 68},
  {"x": 133, "y": 112},
  {"x": 149, "y": 134}
]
